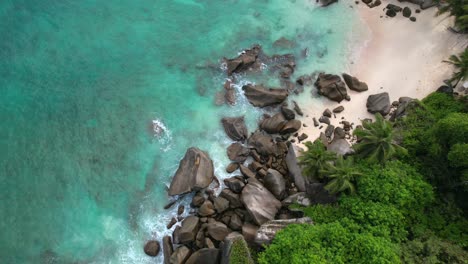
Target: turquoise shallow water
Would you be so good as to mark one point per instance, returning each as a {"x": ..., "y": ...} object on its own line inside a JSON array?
[{"x": 82, "y": 175}]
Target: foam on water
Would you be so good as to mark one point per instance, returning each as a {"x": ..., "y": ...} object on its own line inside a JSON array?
[{"x": 100, "y": 100}]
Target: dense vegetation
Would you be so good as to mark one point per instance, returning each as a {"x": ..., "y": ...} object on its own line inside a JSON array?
[
  {"x": 407, "y": 207},
  {"x": 458, "y": 9}
]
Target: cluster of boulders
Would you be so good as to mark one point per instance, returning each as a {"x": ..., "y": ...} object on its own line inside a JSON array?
[
  {"x": 391, "y": 10},
  {"x": 334, "y": 88}
]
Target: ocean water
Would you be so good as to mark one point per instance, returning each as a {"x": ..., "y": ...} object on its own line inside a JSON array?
[{"x": 83, "y": 84}]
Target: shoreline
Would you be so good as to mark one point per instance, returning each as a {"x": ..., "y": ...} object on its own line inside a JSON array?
[{"x": 401, "y": 57}]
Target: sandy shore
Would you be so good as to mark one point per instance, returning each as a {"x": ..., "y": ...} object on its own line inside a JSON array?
[{"x": 400, "y": 57}]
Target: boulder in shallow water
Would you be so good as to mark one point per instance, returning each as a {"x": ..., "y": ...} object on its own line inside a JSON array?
[
  {"x": 379, "y": 103},
  {"x": 245, "y": 61},
  {"x": 235, "y": 128},
  {"x": 261, "y": 96},
  {"x": 325, "y": 3},
  {"x": 152, "y": 248},
  {"x": 331, "y": 86},
  {"x": 238, "y": 153},
  {"x": 195, "y": 172}
]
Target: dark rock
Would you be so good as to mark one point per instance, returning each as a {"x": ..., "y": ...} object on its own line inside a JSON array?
[
  {"x": 180, "y": 255},
  {"x": 394, "y": 8},
  {"x": 195, "y": 172},
  {"x": 274, "y": 124},
  {"x": 262, "y": 143},
  {"x": 249, "y": 232},
  {"x": 238, "y": 153},
  {"x": 413, "y": 19},
  {"x": 338, "y": 109},
  {"x": 340, "y": 146},
  {"x": 339, "y": 133},
  {"x": 291, "y": 126},
  {"x": 232, "y": 167},
  {"x": 354, "y": 84},
  {"x": 152, "y": 248},
  {"x": 316, "y": 123},
  {"x": 235, "y": 184},
  {"x": 267, "y": 232},
  {"x": 235, "y": 223},
  {"x": 197, "y": 200},
  {"x": 418, "y": 11},
  {"x": 403, "y": 103},
  {"x": 295, "y": 171},
  {"x": 377, "y": 3},
  {"x": 230, "y": 93},
  {"x": 246, "y": 172},
  {"x": 406, "y": 12},
  {"x": 297, "y": 109},
  {"x": 325, "y": 3},
  {"x": 260, "y": 96},
  {"x": 259, "y": 202},
  {"x": 367, "y": 2},
  {"x": 233, "y": 198},
  {"x": 170, "y": 204},
  {"x": 445, "y": 89},
  {"x": 228, "y": 254},
  {"x": 304, "y": 80},
  {"x": 217, "y": 230},
  {"x": 327, "y": 113},
  {"x": 171, "y": 223},
  {"x": 390, "y": 13},
  {"x": 275, "y": 183},
  {"x": 329, "y": 131},
  {"x": 297, "y": 198},
  {"x": 288, "y": 113},
  {"x": 302, "y": 137},
  {"x": 180, "y": 210},
  {"x": 206, "y": 209},
  {"x": 325, "y": 120},
  {"x": 319, "y": 195},
  {"x": 331, "y": 86},
  {"x": 205, "y": 256},
  {"x": 167, "y": 249},
  {"x": 378, "y": 103},
  {"x": 255, "y": 166},
  {"x": 189, "y": 229},
  {"x": 235, "y": 128},
  {"x": 245, "y": 61},
  {"x": 221, "y": 204}
]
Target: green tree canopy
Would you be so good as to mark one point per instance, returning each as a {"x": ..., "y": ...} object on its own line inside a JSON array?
[{"x": 315, "y": 158}]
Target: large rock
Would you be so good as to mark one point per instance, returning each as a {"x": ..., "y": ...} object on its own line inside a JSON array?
[
  {"x": 235, "y": 184},
  {"x": 152, "y": 248},
  {"x": 195, "y": 172},
  {"x": 325, "y": 3},
  {"x": 274, "y": 124},
  {"x": 249, "y": 231},
  {"x": 288, "y": 113},
  {"x": 238, "y": 153},
  {"x": 167, "y": 249},
  {"x": 233, "y": 198},
  {"x": 259, "y": 202},
  {"x": 404, "y": 102},
  {"x": 297, "y": 198},
  {"x": 246, "y": 61},
  {"x": 205, "y": 256},
  {"x": 406, "y": 12},
  {"x": 295, "y": 171},
  {"x": 275, "y": 183},
  {"x": 180, "y": 255},
  {"x": 189, "y": 229},
  {"x": 354, "y": 83},
  {"x": 292, "y": 126},
  {"x": 267, "y": 232},
  {"x": 262, "y": 143},
  {"x": 217, "y": 230},
  {"x": 235, "y": 128},
  {"x": 261, "y": 96},
  {"x": 340, "y": 146},
  {"x": 332, "y": 87},
  {"x": 230, "y": 93},
  {"x": 221, "y": 204},
  {"x": 206, "y": 209},
  {"x": 236, "y": 240},
  {"x": 378, "y": 103}
]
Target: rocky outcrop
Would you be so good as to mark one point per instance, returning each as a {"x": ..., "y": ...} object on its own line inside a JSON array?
[
  {"x": 180, "y": 255},
  {"x": 259, "y": 202},
  {"x": 340, "y": 146},
  {"x": 295, "y": 172},
  {"x": 288, "y": 113},
  {"x": 235, "y": 184},
  {"x": 261, "y": 96},
  {"x": 230, "y": 93},
  {"x": 238, "y": 153},
  {"x": 403, "y": 103},
  {"x": 235, "y": 128},
  {"x": 300, "y": 198},
  {"x": 378, "y": 103},
  {"x": 189, "y": 229},
  {"x": 167, "y": 249},
  {"x": 235, "y": 240},
  {"x": 267, "y": 231},
  {"x": 195, "y": 172},
  {"x": 332, "y": 87},
  {"x": 274, "y": 124},
  {"x": 152, "y": 248},
  {"x": 244, "y": 62},
  {"x": 354, "y": 84},
  {"x": 262, "y": 143},
  {"x": 292, "y": 126},
  {"x": 205, "y": 256},
  {"x": 275, "y": 183}
]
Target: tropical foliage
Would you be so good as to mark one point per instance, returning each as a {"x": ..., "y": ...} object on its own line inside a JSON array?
[
  {"x": 461, "y": 66},
  {"x": 341, "y": 175},
  {"x": 315, "y": 159},
  {"x": 377, "y": 143},
  {"x": 458, "y": 9}
]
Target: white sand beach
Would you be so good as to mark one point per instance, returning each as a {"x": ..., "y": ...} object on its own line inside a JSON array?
[{"x": 402, "y": 57}]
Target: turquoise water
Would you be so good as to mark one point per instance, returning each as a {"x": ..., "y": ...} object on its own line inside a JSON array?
[{"x": 82, "y": 174}]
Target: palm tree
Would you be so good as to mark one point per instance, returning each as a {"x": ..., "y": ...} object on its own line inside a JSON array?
[
  {"x": 458, "y": 9},
  {"x": 376, "y": 140},
  {"x": 341, "y": 175},
  {"x": 461, "y": 65},
  {"x": 315, "y": 158}
]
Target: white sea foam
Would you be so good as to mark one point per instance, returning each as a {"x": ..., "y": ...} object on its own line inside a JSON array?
[{"x": 162, "y": 134}]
